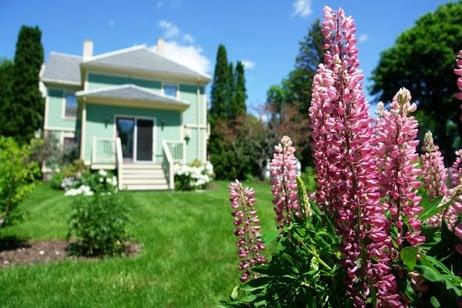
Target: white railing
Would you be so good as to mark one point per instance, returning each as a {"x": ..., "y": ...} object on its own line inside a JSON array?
[
  {"x": 167, "y": 164},
  {"x": 177, "y": 150},
  {"x": 103, "y": 151},
  {"x": 120, "y": 162}
]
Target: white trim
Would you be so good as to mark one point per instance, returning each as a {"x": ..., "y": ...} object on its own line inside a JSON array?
[
  {"x": 197, "y": 121},
  {"x": 61, "y": 81},
  {"x": 135, "y": 135},
  {"x": 45, "y": 120},
  {"x": 65, "y": 135},
  {"x": 195, "y": 126},
  {"x": 66, "y": 129},
  {"x": 83, "y": 131}
]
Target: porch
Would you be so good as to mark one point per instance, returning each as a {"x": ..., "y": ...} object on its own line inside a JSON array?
[{"x": 133, "y": 174}]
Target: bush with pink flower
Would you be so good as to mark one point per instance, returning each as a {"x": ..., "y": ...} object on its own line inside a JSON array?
[{"x": 384, "y": 226}]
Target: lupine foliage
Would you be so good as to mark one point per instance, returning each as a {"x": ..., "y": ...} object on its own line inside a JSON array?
[{"x": 386, "y": 227}]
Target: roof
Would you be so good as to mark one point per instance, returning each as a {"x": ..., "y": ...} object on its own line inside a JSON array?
[
  {"x": 130, "y": 92},
  {"x": 63, "y": 69},
  {"x": 145, "y": 59}
]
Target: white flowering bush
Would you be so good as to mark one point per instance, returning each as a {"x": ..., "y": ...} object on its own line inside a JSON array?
[
  {"x": 87, "y": 184},
  {"x": 193, "y": 176}
]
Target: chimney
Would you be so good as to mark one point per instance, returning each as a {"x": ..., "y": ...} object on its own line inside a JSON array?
[
  {"x": 87, "y": 50},
  {"x": 160, "y": 47}
]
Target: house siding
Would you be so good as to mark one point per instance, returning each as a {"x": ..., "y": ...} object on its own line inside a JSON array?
[
  {"x": 98, "y": 81},
  {"x": 101, "y": 123},
  {"x": 55, "y": 112}
]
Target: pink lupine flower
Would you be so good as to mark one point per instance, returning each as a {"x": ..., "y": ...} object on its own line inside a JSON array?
[
  {"x": 247, "y": 228},
  {"x": 347, "y": 179},
  {"x": 284, "y": 182},
  {"x": 455, "y": 171},
  {"x": 396, "y": 149},
  {"x": 434, "y": 174},
  {"x": 458, "y": 72}
]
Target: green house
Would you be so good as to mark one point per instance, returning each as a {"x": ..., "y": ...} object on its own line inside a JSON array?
[{"x": 131, "y": 110}]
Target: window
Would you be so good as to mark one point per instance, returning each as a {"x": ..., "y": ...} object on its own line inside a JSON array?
[
  {"x": 69, "y": 143},
  {"x": 70, "y": 110},
  {"x": 170, "y": 90}
]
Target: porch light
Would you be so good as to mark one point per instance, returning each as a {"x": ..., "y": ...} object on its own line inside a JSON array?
[
  {"x": 106, "y": 121},
  {"x": 187, "y": 138},
  {"x": 162, "y": 123}
]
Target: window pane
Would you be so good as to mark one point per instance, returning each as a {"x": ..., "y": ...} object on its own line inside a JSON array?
[
  {"x": 170, "y": 90},
  {"x": 69, "y": 143},
  {"x": 71, "y": 106}
]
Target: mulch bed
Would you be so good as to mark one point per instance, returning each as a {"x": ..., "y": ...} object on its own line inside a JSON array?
[{"x": 14, "y": 251}]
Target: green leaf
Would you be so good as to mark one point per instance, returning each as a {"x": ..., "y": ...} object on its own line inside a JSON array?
[
  {"x": 409, "y": 256},
  {"x": 235, "y": 293},
  {"x": 269, "y": 237},
  {"x": 435, "y": 302},
  {"x": 431, "y": 207}
]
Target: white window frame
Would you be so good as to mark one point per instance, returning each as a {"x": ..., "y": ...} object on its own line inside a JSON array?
[
  {"x": 171, "y": 84},
  {"x": 65, "y": 93}
]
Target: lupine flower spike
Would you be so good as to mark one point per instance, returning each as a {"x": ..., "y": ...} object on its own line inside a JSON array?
[
  {"x": 397, "y": 142},
  {"x": 247, "y": 228},
  {"x": 347, "y": 185},
  {"x": 434, "y": 174},
  {"x": 458, "y": 72},
  {"x": 284, "y": 182}
]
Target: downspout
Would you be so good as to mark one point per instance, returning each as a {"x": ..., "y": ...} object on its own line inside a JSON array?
[{"x": 197, "y": 127}]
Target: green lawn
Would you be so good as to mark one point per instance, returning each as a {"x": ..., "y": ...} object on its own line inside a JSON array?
[{"x": 188, "y": 256}]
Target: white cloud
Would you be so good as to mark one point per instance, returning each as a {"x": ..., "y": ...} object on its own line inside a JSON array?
[
  {"x": 248, "y": 65},
  {"x": 363, "y": 38},
  {"x": 189, "y": 56},
  {"x": 302, "y": 8},
  {"x": 170, "y": 29},
  {"x": 188, "y": 38}
]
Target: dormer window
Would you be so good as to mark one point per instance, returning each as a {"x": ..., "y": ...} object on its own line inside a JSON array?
[
  {"x": 70, "y": 109},
  {"x": 171, "y": 90}
]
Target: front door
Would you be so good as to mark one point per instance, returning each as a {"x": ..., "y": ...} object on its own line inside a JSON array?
[{"x": 136, "y": 136}]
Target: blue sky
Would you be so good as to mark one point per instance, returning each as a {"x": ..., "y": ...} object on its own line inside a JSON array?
[{"x": 263, "y": 33}]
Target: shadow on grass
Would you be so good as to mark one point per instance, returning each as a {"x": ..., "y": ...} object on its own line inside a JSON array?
[{"x": 13, "y": 242}]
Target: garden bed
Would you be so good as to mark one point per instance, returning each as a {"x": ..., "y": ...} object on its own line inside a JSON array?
[{"x": 16, "y": 252}]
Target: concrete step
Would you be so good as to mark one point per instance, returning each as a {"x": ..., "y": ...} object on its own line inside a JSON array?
[
  {"x": 142, "y": 167},
  {"x": 144, "y": 175},
  {"x": 146, "y": 187},
  {"x": 143, "y": 181}
]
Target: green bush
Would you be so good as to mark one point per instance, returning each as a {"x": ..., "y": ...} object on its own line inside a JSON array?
[
  {"x": 17, "y": 173},
  {"x": 99, "y": 223}
]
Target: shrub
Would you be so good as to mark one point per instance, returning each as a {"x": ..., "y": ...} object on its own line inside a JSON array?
[
  {"x": 88, "y": 183},
  {"x": 99, "y": 223},
  {"x": 193, "y": 176},
  {"x": 17, "y": 173}
]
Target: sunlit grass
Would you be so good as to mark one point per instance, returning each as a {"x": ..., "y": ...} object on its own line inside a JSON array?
[{"x": 188, "y": 256}]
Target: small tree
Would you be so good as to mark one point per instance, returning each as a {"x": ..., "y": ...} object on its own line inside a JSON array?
[{"x": 17, "y": 173}]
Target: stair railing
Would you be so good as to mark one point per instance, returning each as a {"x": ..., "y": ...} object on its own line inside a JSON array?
[
  {"x": 167, "y": 164},
  {"x": 120, "y": 162}
]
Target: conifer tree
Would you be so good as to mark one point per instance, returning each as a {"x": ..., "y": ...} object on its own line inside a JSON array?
[
  {"x": 237, "y": 106},
  {"x": 24, "y": 113},
  {"x": 220, "y": 86}
]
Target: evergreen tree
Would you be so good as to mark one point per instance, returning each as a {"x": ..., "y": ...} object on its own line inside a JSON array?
[
  {"x": 423, "y": 60},
  {"x": 24, "y": 113},
  {"x": 6, "y": 75},
  {"x": 220, "y": 86},
  {"x": 237, "y": 106}
]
